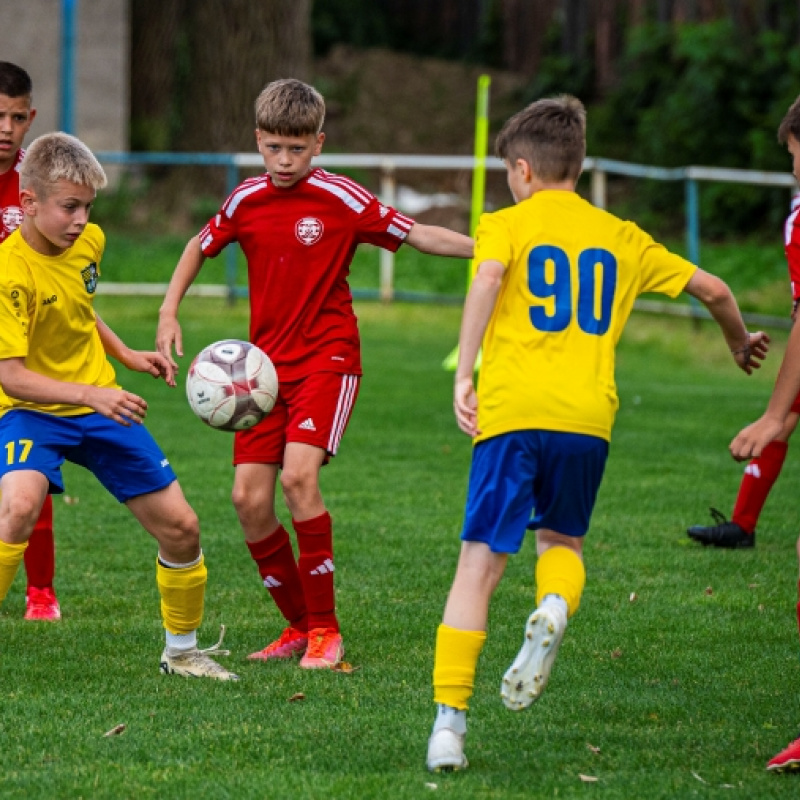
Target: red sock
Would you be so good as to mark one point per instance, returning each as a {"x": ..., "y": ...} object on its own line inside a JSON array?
[
  {"x": 278, "y": 569},
  {"x": 315, "y": 543},
  {"x": 759, "y": 478},
  {"x": 40, "y": 556}
]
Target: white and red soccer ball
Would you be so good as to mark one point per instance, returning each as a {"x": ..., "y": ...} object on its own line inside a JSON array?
[{"x": 232, "y": 385}]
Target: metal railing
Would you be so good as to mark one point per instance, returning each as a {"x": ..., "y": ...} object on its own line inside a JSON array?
[{"x": 390, "y": 165}]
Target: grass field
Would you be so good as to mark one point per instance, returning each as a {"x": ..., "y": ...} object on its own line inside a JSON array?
[{"x": 684, "y": 691}]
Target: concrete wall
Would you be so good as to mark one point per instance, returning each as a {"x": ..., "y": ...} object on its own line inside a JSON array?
[{"x": 30, "y": 35}]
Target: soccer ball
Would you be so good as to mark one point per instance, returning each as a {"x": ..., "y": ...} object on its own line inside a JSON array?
[{"x": 231, "y": 385}]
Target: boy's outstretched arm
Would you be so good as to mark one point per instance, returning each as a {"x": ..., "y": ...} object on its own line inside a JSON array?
[
  {"x": 747, "y": 349},
  {"x": 137, "y": 360},
  {"x": 478, "y": 308},
  {"x": 169, "y": 329},
  {"x": 754, "y": 438},
  {"x": 24, "y": 384},
  {"x": 438, "y": 241}
]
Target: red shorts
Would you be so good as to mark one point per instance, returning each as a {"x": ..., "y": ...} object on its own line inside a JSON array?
[
  {"x": 314, "y": 410},
  {"x": 795, "y": 409}
]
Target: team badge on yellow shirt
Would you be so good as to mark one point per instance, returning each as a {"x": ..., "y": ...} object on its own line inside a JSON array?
[{"x": 89, "y": 275}]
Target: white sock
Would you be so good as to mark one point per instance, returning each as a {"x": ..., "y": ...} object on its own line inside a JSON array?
[
  {"x": 182, "y": 641},
  {"x": 449, "y": 717},
  {"x": 555, "y": 602}
]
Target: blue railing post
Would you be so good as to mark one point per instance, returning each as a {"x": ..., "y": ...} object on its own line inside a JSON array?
[
  {"x": 693, "y": 232},
  {"x": 69, "y": 12},
  {"x": 232, "y": 250}
]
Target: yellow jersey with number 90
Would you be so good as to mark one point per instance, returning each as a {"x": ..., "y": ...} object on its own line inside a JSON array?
[
  {"x": 47, "y": 315},
  {"x": 572, "y": 274}
]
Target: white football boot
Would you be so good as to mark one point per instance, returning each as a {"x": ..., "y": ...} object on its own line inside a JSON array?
[{"x": 526, "y": 678}]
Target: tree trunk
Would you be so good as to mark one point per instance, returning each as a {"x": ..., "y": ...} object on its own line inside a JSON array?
[
  {"x": 525, "y": 27},
  {"x": 236, "y": 47},
  {"x": 155, "y": 30}
]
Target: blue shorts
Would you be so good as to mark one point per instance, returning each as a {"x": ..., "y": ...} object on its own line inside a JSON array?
[
  {"x": 532, "y": 479},
  {"x": 126, "y": 460}
]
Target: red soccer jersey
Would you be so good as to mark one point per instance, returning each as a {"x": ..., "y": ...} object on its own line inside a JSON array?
[
  {"x": 299, "y": 242},
  {"x": 791, "y": 240},
  {"x": 10, "y": 211}
]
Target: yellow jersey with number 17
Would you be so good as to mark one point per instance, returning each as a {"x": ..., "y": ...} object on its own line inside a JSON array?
[
  {"x": 572, "y": 274},
  {"x": 47, "y": 315}
]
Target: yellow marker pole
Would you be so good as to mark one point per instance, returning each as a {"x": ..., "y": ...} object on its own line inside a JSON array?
[{"x": 478, "y": 186}]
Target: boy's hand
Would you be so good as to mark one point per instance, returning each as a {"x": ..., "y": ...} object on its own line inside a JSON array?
[
  {"x": 167, "y": 335},
  {"x": 750, "y": 441},
  {"x": 755, "y": 351},
  {"x": 117, "y": 404},
  {"x": 465, "y": 404},
  {"x": 154, "y": 363}
]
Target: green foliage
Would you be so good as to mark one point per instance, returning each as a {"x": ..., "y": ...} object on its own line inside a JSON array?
[
  {"x": 684, "y": 97},
  {"x": 683, "y": 690}
]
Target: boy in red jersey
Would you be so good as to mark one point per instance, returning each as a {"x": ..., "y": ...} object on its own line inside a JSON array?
[
  {"x": 761, "y": 473},
  {"x": 755, "y": 440},
  {"x": 16, "y": 117},
  {"x": 299, "y": 227}
]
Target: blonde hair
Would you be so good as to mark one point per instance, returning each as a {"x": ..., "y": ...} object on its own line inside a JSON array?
[
  {"x": 289, "y": 107},
  {"x": 550, "y": 135},
  {"x": 59, "y": 157},
  {"x": 790, "y": 124}
]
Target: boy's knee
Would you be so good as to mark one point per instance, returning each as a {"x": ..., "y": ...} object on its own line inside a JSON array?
[
  {"x": 185, "y": 529},
  {"x": 298, "y": 483},
  {"x": 21, "y": 512}
]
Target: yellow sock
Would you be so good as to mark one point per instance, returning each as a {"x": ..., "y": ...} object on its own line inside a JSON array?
[
  {"x": 10, "y": 556},
  {"x": 454, "y": 665},
  {"x": 182, "y": 591},
  {"x": 560, "y": 571}
]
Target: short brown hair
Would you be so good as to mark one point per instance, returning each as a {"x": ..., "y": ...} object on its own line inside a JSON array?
[
  {"x": 59, "y": 157},
  {"x": 289, "y": 107},
  {"x": 790, "y": 124},
  {"x": 549, "y": 134},
  {"x": 14, "y": 81}
]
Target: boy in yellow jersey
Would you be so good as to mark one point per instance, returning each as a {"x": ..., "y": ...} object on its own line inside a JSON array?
[
  {"x": 555, "y": 283},
  {"x": 62, "y": 400},
  {"x": 16, "y": 116}
]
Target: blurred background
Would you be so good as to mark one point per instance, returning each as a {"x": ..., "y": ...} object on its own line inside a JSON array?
[{"x": 668, "y": 83}]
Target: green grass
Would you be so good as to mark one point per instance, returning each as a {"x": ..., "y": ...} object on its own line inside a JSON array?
[{"x": 684, "y": 692}]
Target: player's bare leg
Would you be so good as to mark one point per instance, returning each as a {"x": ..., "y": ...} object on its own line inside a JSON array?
[
  {"x": 271, "y": 549},
  {"x": 314, "y": 528},
  {"x": 181, "y": 577},
  {"x": 459, "y": 641},
  {"x": 560, "y": 579},
  {"x": 22, "y": 493}
]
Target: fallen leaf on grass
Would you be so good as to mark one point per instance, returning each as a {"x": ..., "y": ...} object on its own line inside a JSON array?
[
  {"x": 71, "y": 501},
  {"x": 595, "y": 750},
  {"x": 297, "y": 696},
  {"x": 616, "y": 653},
  {"x": 116, "y": 730},
  {"x": 633, "y": 598},
  {"x": 709, "y": 590},
  {"x": 344, "y": 666},
  {"x": 698, "y": 777},
  {"x": 588, "y": 778},
  {"x": 431, "y": 786}
]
